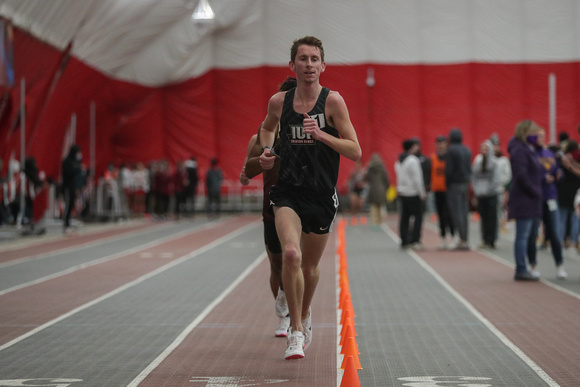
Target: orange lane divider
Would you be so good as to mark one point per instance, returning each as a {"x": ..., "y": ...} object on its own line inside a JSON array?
[
  {"x": 347, "y": 334},
  {"x": 351, "y": 351},
  {"x": 349, "y": 347},
  {"x": 348, "y": 323},
  {"x": 350, "y": 376}
]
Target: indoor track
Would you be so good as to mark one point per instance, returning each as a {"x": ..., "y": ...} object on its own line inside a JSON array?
[{"x": 188, "y": 304}]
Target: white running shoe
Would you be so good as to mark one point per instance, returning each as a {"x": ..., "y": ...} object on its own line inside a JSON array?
[
  {"x": 282, "y": 329},
  {"x": 535, "y": 273},
  {"x": 307, "y": 330},
  {"x": 295, "y": 348},
  {"x": 281, "y": 304},
  {"x": 561, "y": 273}
]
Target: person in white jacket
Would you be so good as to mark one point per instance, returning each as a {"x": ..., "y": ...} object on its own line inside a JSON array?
[
  {"x": 411, "y": 192},
  {"x": 504, "y": 172},
  {"x": 485, "y": 183}
]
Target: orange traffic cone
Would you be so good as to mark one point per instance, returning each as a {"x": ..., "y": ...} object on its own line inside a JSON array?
[
  {"x": 344, "y": 294},
  {"x": 346, "y": 312},
  {"x": 347, "y": 306},
  {"x": 348, "y": 333},
  {"x": 350, "y": 376},
  {"x": 348, "y": 322},
  {"x": 351, "y": 350}
]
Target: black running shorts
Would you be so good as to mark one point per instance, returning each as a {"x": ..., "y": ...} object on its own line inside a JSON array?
[
  {"x": 271, "y": 236},
  {"x": 316, "y": 212}
]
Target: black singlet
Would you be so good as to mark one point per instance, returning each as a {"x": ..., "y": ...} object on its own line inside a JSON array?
[{"x": 306, "y": 165}]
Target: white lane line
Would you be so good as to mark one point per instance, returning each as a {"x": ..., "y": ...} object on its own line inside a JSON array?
[
  {"x": 507, "y": 342},
  {"x": 545, "y": 282},
  {"x": 507, "y": 263},
  {"x": 182, "y": 336},
  {"x": 128, "y": 285},
  {"x": 84, "y": 245},
  {"x": 103, "y": 260}
]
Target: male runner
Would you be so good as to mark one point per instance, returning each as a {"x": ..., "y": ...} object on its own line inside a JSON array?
[{"x": 315, "y": 129}]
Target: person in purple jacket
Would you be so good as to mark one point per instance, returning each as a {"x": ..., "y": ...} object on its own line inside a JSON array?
[
  {"x": 525, "y": 200},
  {"x": 552, "y": 173}
]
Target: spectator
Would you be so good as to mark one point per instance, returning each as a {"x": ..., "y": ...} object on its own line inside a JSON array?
[
  {"x": 411, "y": 189},
  {"x": 179, "y": 183},
  {"x": 164, "y": 189},
  {"x": 191, "y": 188},
  {"x": 140, "y": 189},
  {"x": 457, "y": 177},
  {"x": 4, "y": 213},
  {"x": 426, "y": 168},
  {"x": 563, "y": 139},
  {"x": 356, "y": 186},
  {"x": 150, "y": 197},
  {"x": 525, "y": 201},
  {"x": 213, "y": 181},
  {"x": 126, "y": 184},
  {"x": 34, "y": 185},
  {"x": 439, "y": 188},
  {"x": 504, "y": 171},
  {"x": 71, "y": 175},
  {"x": 485, "y": 181},
  {"x": 567, "y": 188},
  {"x": 551, "y": 174},
  {"x": 378, "y": 182}
]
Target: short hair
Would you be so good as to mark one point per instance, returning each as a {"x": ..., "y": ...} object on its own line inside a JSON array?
[
  {"x": 309, "y": 41},
  {"x": 525, "y": 128},
  {"x": 408, "y": 144}
]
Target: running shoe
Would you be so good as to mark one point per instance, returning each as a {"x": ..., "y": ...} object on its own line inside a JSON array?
[
  {"x": 562, "y": 272},
  {"x": 281, "y": 304},
  {"x": 282, "y": 329},
  {"x": 295, "y": 348},
  {"x": 307, "y": 330}
]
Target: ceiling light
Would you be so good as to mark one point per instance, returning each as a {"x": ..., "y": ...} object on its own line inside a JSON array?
[{"x": 203, "y": 11}]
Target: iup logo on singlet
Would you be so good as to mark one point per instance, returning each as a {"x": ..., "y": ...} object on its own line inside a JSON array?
[{"x": 297, "y": 135}]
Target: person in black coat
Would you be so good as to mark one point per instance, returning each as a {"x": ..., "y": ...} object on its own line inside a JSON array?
[
  {"x": 71, "y": 175},
  {"x": 457, "y": 178}
]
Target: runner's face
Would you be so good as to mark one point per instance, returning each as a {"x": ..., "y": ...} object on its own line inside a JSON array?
[{"x": 307, "y": 65}]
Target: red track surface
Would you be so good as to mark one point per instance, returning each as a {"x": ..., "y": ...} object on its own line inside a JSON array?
[
  {"x": 236, "y": 343},
  {"x": 24, "y": 309},
  {"x": 51, "y": 246}
]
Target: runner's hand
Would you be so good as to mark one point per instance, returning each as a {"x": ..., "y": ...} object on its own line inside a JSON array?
[
  {"x": 311, "y": 127},
  {"x": 267, "y": 159}
]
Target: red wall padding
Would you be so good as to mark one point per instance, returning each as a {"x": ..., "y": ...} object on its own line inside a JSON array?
[{"x": 214, "y": 115}]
